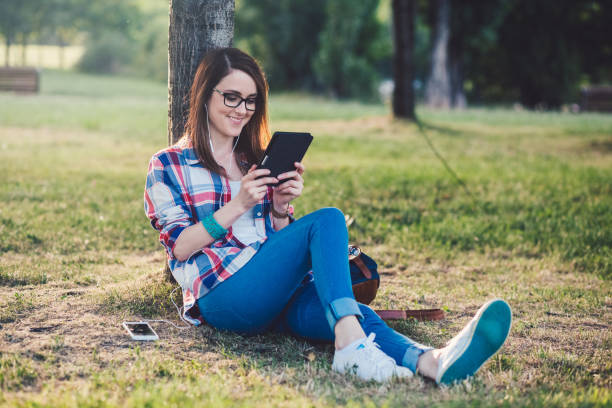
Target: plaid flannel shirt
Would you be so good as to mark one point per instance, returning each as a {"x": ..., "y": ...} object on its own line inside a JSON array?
[{"x": 180, "y": 192}]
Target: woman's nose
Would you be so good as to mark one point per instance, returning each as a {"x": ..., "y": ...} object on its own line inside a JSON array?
[{"x": 241, "y": 108}]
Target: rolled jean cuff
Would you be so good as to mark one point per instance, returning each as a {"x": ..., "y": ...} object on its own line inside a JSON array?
[
  {"x": 411, "y": 357},
  {"x": 346, "y": 306}
]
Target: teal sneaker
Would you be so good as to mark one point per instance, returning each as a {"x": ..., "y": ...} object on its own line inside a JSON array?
[{"x": 483, "y": 336}]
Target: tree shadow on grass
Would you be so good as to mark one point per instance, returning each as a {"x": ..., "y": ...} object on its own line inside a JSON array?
[{"x": 444, "y": 130}]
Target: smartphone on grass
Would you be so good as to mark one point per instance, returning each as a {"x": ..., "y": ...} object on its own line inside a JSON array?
[
  {"x": 284, "y": 150},
  {"x": 141, "y": 331}
]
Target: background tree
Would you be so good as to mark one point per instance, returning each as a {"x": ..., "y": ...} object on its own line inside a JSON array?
[
  {"x": 352, "y": 43},
  {"x": 31, "y": 23},
  {"x": 403, "y": 65},
  {"x": 283, "y": 35},
  {"x": 546, "y": 47},
  {"x": 65, "y": 20},
  {"x": 111, "y": 27},
  {"x": 340, "y": 47},
  {"x": 474, "y": 25},
  {"x": 17, "y": 19},
  {"x": 150, "y": 56},
  {"x": 437, "y": 91},
  {"x": 537, "y": 53},
  {"x": 487, "y": 51}
]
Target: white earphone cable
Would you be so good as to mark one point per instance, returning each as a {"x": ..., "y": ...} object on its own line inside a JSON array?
[
  {"x": 211, "y": 144},
  {"x": 179, "y": 310}
]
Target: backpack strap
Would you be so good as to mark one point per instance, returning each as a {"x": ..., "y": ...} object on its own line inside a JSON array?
[
  {"x": 417, "y": 314},
  {"x": 362, "y": 266}
]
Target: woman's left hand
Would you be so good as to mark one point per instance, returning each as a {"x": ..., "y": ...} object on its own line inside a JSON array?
[{"x": 289, "y": 190}]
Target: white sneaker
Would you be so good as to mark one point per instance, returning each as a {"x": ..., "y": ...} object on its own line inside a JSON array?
[{"x": 368, "y": 362}]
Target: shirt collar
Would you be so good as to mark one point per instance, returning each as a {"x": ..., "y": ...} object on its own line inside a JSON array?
[{"x": 190, "y": 156}]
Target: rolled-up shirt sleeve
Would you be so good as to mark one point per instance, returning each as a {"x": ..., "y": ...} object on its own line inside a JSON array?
[{"x": 164, "y": 202}]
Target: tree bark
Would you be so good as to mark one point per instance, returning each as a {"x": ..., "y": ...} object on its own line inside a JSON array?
[
  {"x": 403, "y": 61},
  {"x": 196, "y": 27},
  {"x": 438, "y": 89}
]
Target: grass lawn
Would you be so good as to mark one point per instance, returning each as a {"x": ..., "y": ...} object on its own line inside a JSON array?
[{"x": 78, "y": 256}]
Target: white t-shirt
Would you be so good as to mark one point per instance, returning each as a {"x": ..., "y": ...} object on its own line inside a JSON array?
[{"x": 244, "y": 227}]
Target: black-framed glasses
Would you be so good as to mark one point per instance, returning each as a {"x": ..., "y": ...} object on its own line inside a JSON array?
[{"x": 231, "y": 100}]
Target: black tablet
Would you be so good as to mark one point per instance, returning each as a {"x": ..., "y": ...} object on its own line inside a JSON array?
[{"x": 284, "y": 150}]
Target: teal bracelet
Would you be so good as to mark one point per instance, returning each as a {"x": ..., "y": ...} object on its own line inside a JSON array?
[{"x": 213, "y": 228}]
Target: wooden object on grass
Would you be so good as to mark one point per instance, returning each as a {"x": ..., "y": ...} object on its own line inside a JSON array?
[
  {"x": 597, "y": 98},
  {"x": 19, "y": 79}
]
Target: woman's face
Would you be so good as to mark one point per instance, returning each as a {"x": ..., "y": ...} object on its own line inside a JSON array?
[{"x": 225, "y": 121}]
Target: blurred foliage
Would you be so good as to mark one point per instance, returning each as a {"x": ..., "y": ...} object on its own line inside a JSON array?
[
  {"x": 283, "y": 35},
  {"x": 141, "y": 44},
  {"x": 353, "y": 42},
  {"x": 150, "y": 58},
  {"x": 113, "y": 27},
  {"x": 110, "y": 52},
  {"x": 337, "y": 46},
  {"x": 47, "y": 19},
  {"x": 547, "y": 48},
  {"x": 108, "y": 28},
  {"x": 537, "y": 53}
]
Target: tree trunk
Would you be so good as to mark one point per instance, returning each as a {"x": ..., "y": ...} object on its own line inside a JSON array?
[
  {"x": 458, "y": 99},
  {"x": 61, "y": 53},
  {"x": 456, "y": 51},
  {"x": 438, "y": 89},
  {"x": 7, "y": 50},
  {"x": 403, "y": 61},
  {"x": 24, "y": 45},
  {"x": 196, "y": 27}
]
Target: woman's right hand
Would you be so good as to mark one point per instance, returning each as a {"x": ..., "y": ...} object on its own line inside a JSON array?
[
  {"x": 252, "y": 188},
  {"x": 251, "y": 192}
]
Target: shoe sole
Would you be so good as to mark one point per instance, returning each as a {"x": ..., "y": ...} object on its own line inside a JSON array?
[{"x": 489, "y": 335}]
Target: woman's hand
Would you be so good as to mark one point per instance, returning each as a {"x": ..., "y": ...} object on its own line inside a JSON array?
[
  {"x": 289, "y": 190},
  {"x": 252, "y": 188}
]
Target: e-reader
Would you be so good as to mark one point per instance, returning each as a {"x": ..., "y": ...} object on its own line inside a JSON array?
[{"x": 284, "y": 150}]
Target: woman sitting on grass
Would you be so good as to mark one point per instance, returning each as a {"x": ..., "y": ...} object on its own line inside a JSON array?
[{"x": 243, "y": 262}]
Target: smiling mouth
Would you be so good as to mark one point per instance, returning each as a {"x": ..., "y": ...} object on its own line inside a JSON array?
[{"x": 235, "y": 119}]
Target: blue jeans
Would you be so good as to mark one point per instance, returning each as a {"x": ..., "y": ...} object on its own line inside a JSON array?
[{"x": 269, "y": 293}]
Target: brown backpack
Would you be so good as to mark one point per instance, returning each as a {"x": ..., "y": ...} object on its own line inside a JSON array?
[{"x": 366, "y": 280}]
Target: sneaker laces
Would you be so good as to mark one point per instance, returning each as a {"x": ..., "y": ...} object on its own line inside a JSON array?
[{"x": 375, "y": 356}]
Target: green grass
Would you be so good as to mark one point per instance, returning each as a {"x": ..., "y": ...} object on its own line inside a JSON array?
[{"x": 78, "y": 256}]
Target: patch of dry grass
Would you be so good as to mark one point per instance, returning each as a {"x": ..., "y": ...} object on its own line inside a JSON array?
[{"x": 71, "y": 348}]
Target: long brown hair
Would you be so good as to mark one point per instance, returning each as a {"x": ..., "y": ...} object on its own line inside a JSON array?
[{"x": 255, "y": 134}]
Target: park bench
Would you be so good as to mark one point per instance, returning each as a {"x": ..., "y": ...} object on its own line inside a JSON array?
[
  {"x": 597, "y": 98},
  {"x": 19, "y": 79}
]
